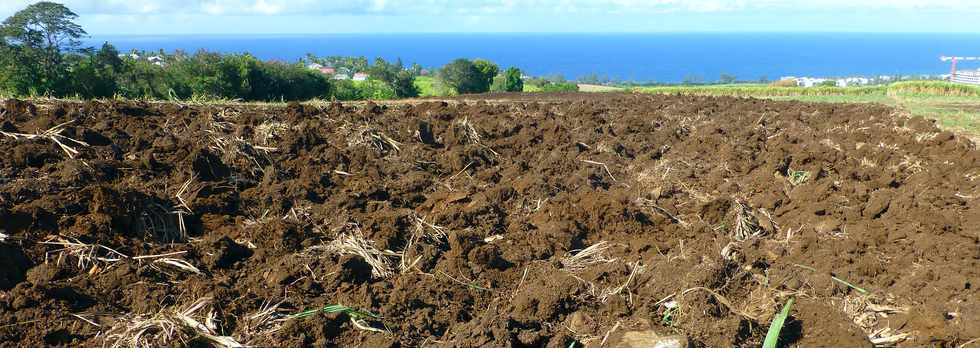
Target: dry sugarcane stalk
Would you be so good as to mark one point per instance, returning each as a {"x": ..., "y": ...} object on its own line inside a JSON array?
[
  {"x": 185, "y": 208},
  {"x": 167, "y": 327},
  {"x": 354, "y": 243},
  {"x": 635, "y": 269},
  {"x": 472, "y": 136},
  {"x": 582, "y": 259},
  {"x": 88, "y": 256},
  {"x": 643, "y": 202},
  {"x": 746, "y": 224},
  {"x": 604, "y": 166},
  {"x": 437, "y": 232},
  {"x": 423, "y": 228},
  {"x": 266, "y": 321},
  {"x": 175, "y": 263},
  {"x": 53, "y": 134}
]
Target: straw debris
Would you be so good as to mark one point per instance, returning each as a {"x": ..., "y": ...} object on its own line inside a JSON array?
[
  {"x": 168, "y": 327},
  {"x": 379, "y": 141},
  {"x": 470, "y": 135},
  {"x": 92, "y": 257},
  {"x": 423, "y": 230},
  {"x": 746, "y": 222},
  {"x": 263, "y": 323},
  {"x": 579, "y": 260},
  {"x": 54, "y": 135},
  {"x": 867, "y": 313},
  {"x": 354, "y": 243}
]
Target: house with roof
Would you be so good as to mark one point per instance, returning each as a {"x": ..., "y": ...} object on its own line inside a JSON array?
[
  {"x": 326, "y": 70},
  {"x": 341, "y": 77},
  {"x": 360, "y": 76},
  {"x": 155, "y": 60},
  {"x": 314, "y": 66}
]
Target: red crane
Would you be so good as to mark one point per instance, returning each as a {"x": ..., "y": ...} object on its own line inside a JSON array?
[{"x": 952, "y": 71}]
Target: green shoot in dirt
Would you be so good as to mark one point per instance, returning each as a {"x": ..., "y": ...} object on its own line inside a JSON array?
[
  {"x": 852, "y": 286},
  {"x": 668, "y": 318},
  {"x": 777, "y": 325},
  {"x": 351, "y": 312},
  {"x": 798, "y": 177},
  {"x": 356, "y": 316}
]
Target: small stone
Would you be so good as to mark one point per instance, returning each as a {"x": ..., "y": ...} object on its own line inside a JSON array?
[
  {"x": 878, "y": 204},
  {"x": 827, "y": 226},
  {"x": 650, "y": 339},
  {"x": 581, "y": 323}
]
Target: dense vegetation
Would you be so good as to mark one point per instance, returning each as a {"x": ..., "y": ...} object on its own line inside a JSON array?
[
  {"x": 933, "y": 88},
  {"x": 550, "y": 84},
  {"x": 41, "y": 55}
]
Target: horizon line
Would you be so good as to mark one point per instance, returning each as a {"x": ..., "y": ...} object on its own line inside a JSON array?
[{"x": 543, "y": 33}]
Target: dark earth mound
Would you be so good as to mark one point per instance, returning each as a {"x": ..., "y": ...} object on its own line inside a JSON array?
[{"x": 462, "y": 223}]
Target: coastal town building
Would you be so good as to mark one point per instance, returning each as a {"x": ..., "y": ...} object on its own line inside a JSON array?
[
  {"x": 839, "y": 82},
  {"x": 971, "y": 77},
  {"x": 326, "y": 70},
  {"x": 155, "y": 60}
]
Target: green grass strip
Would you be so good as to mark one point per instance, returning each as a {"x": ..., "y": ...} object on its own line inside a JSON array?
[{"x": 777, "y": 325}]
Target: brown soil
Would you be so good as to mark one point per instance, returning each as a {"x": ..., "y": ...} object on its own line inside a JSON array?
[{"x": 517, "y": 184}]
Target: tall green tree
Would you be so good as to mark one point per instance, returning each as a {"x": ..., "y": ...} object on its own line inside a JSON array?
[
  {"x": 416, "y": 69},
  {"x": 488, "y": 69},
  {"x": 140, "y": 78},
  {"x": 509, "y": 81},
  {"x": 404, "y": 85},
  {"x": 463, "y": 77},
  {"x": 37, "y": 37},
  {"x": 395, "y": 75},
  {"x": 512, "y": 80},
  {"x": 94, "y": 74}
]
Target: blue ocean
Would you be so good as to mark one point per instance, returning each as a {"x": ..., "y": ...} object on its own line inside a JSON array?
[{"x": 655, "y": 57}]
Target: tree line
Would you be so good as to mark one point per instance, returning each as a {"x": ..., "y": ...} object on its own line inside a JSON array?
[{"x": 41, "y": 55}]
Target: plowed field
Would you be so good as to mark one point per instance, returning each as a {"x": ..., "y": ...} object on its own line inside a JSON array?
[{"x": 524, "y": 221}]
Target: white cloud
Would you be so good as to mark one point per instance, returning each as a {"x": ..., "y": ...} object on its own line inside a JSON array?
[
  {"x": 267, "y": 7},
  {"x": 483, "y": 7}
]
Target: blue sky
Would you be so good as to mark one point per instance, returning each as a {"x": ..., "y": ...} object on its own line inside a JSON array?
[{"x": 102, "y": 17}]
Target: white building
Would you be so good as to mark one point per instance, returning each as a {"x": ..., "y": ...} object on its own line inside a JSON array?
[
  {"x": 841, "y": 82},
  {"x": 809, "y": 81},
  {"x": 853, "y": 81}
]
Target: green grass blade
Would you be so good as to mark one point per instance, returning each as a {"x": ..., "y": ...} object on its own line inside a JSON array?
[
  {"x": 777, "y": 325},
  {"x": 327, "y": 309},
  {"x": 852, "y": 286}
]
